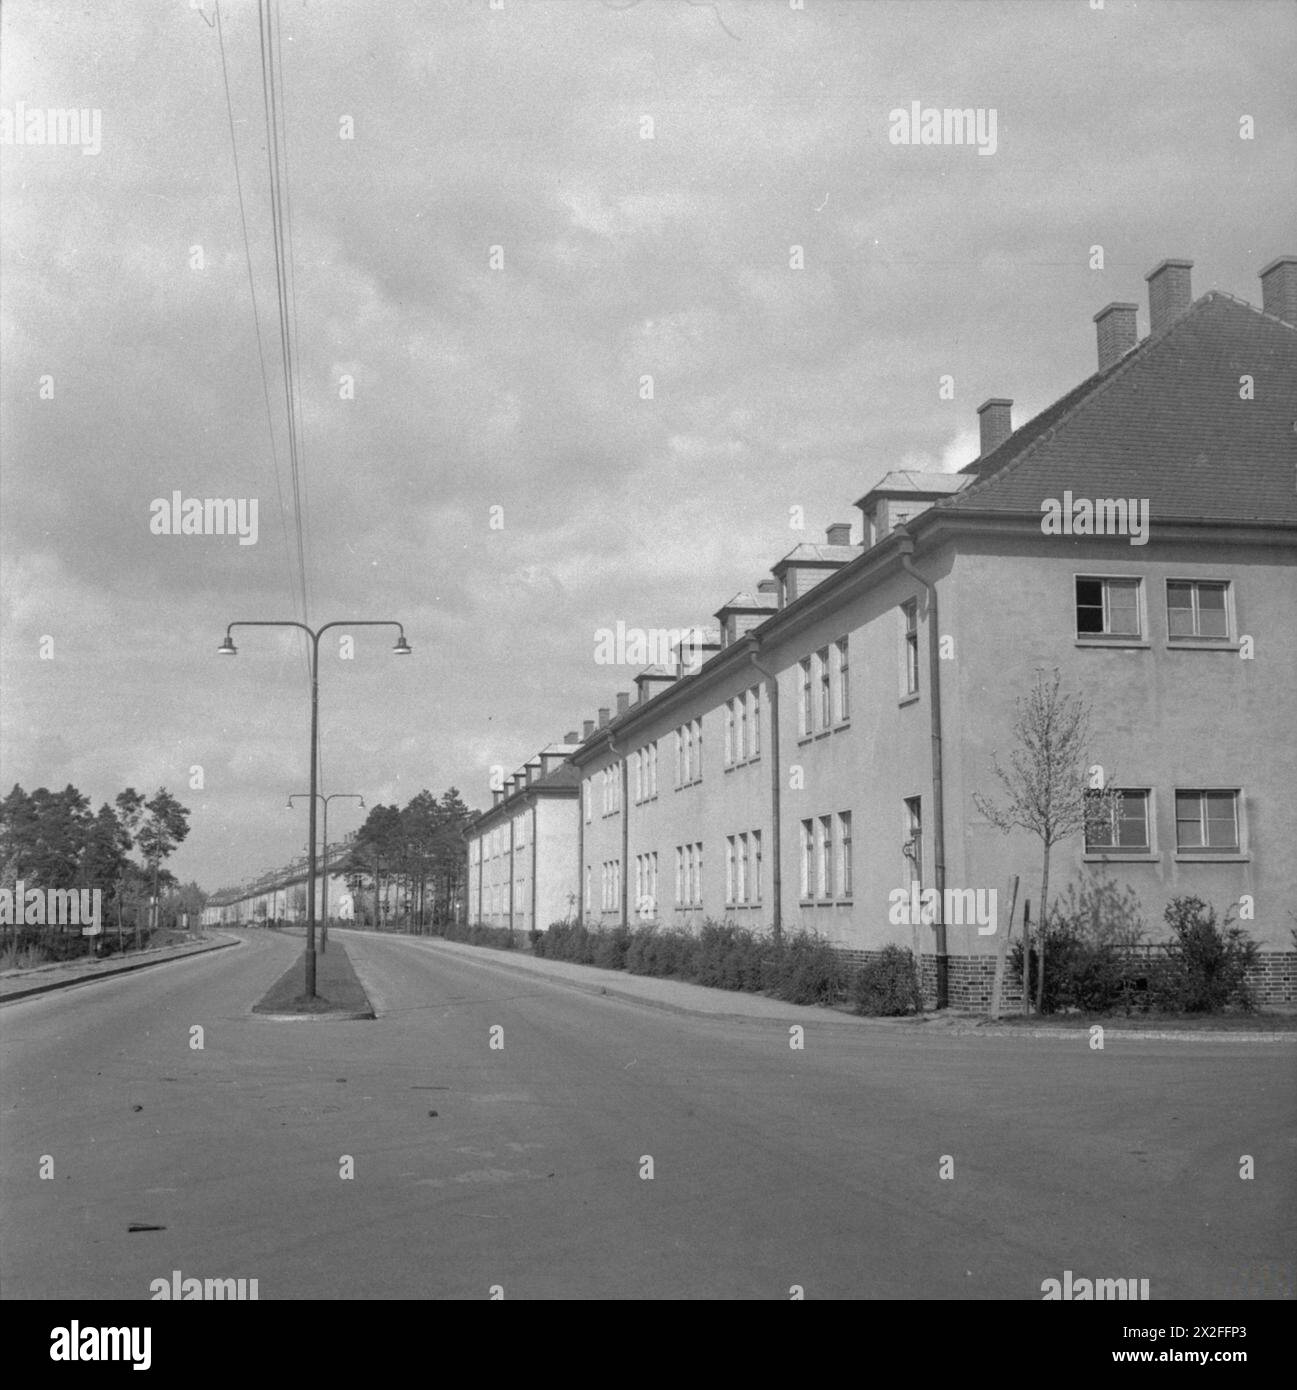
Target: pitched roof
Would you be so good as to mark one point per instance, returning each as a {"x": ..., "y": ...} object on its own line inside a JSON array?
[
  {"x": 810, "y": 553},
  {"x": 911, "y": 482},
  {"x": 1166, "y": 422}
]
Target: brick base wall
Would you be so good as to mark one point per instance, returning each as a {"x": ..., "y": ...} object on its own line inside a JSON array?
[{"x": 969, "y": 979}]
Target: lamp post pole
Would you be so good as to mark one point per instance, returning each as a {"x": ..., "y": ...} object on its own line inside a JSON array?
[
  {"x": 227, "y": 648},
  {"x": 324, "y": 867}
]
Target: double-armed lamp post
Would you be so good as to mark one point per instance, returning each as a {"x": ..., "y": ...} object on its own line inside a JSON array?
[
  {"x": 324, "y": 868},
  {"x": 227, "y": 648}
]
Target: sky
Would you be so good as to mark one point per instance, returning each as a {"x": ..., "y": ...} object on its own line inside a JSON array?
[{"x": 479, "y": 458}]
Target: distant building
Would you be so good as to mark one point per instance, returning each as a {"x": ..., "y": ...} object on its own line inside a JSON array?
[{"x": 522, "y": 851}]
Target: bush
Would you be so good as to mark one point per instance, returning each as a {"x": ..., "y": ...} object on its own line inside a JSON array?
[
  {"x": 667, "y": 952},
  {"x": 1205, "y": 968},
  {"x": 1088, "y": 950},
  {"x": 728, "y": 957},
  {"x": 888, "y": 984},
  {"x": 806, "y": 971}
]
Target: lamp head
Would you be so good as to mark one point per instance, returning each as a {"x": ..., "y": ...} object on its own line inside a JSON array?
[
  {"x": 227, "y": 648},
  {"x": 402, "y": 647}
]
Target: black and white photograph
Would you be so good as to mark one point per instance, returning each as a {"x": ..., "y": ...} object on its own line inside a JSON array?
[{"x": 648, "y": 653}]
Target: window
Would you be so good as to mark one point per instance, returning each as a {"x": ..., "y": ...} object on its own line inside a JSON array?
[
  {"x": 1126, "y": 831},
  {"x": 689, "y": 874},
  {"x": 910, "y": 615},
  {"x": 740, "y": 727},
  {"x": 698, "y": 750},
  {"x": 844, "y": 681},
  {"x": 1206, "y": 822},
  {"x": 635, "y": 778},
  {"x": 754, "y": 722},
  {"x": 1197, "y": 608},
  {"x": 589, "y": 901},
  {"x": 825, "y": 715},
  {"x": 844, "y": 855},
  {"x": 754, "y": 879},
  {"x": 653, "y": 770},
  {"x": 729, "y": 733},
  {"x": 914, "y": 837},
  {"x": 826, "y": 857},
  {"x": 808, "y": 857},
  {"x": 1107, "y": 608},
  {"x": 680, "y": 764},
  {"x": 729, "y": 869},
  {"x": 589, "y": 801},
  {"x": 805, "y": 722}
]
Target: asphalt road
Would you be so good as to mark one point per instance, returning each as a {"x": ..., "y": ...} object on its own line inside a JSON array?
[{"x": 771, "y": 1167}]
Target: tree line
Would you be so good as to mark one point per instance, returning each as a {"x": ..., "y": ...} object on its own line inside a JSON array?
[
  {"x": 53, "y": 839},
  {"x": 407, "y": 862}
]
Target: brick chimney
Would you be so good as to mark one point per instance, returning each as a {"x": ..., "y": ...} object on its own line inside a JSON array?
[
  {"x": 604, "y": 716},
  {"x": 1169, "y": 293},
  {"x": 623, "y": 702},
  {"x": 1279, "y": 289},
  {"x": 1117, "y": 332},
  {"x": 839, "y": 533},
  {"x": 768, "y": 586},
  {"x": 996, "y": 419},
  {"x": 570, "y": 739}
]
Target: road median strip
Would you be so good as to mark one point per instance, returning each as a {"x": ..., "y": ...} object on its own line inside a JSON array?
[{"x": 339, "y": 997}]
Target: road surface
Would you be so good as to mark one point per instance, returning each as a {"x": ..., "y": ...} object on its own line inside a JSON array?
[{"x": 773, "y": 1169}]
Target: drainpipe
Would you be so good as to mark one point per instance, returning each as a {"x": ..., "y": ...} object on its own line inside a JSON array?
[
  {"x": 625, "y": 829},
  {"x": 776, "y": 872},
  {"x": 938, "y": 798},
  {"x": 511, "y": 874},
  {"x": 580, "y": 852},
  {"x": 535, "y": 896}
]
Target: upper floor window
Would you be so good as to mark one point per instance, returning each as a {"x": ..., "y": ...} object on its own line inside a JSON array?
[
  {"x": 824, "y": 708},
  {"x": 1197, "y": 608},
  {"x": 1107, "y": 608},
  {"x": 910, "y": 633},
  {"x": 1206, "y": 821},
  {"x": 843, "y": 711},
  {"x": 1126, "y": 830},
  {"x": 805, "y": 720}
]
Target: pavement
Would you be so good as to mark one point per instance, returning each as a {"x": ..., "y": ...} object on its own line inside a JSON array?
[
  {"x": 18, "y": 984},
  {"x": 497, "y": 1129}
]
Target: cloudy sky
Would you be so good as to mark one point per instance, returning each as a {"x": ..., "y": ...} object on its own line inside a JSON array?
[{"x": 130, "y": 366}]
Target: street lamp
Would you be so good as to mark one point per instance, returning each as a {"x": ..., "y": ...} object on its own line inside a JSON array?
[
  {"x": 324, "y": 868},
  {"x": 227, "y": 648}
]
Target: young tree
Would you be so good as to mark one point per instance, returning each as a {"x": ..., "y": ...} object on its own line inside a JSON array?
[{"x": 1052, "y": 790}]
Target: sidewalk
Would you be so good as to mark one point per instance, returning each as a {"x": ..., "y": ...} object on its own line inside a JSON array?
[
  {"x": 678, "y": 996},
  {"x": 675, "y": 996},
  {"x": 19, "y": 984}
]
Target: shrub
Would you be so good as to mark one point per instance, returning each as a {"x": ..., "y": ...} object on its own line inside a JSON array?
[
  {"x": 727, "y": 957},
  {"x": 806, "y": 971},
  {"x": 1088, "y": 941},
  {"x": 1205, "y": 968},
  {"x": 609, "y": 948},
  {"x": 666, "y": 952},
  {"x": 888, "y": 984}
]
